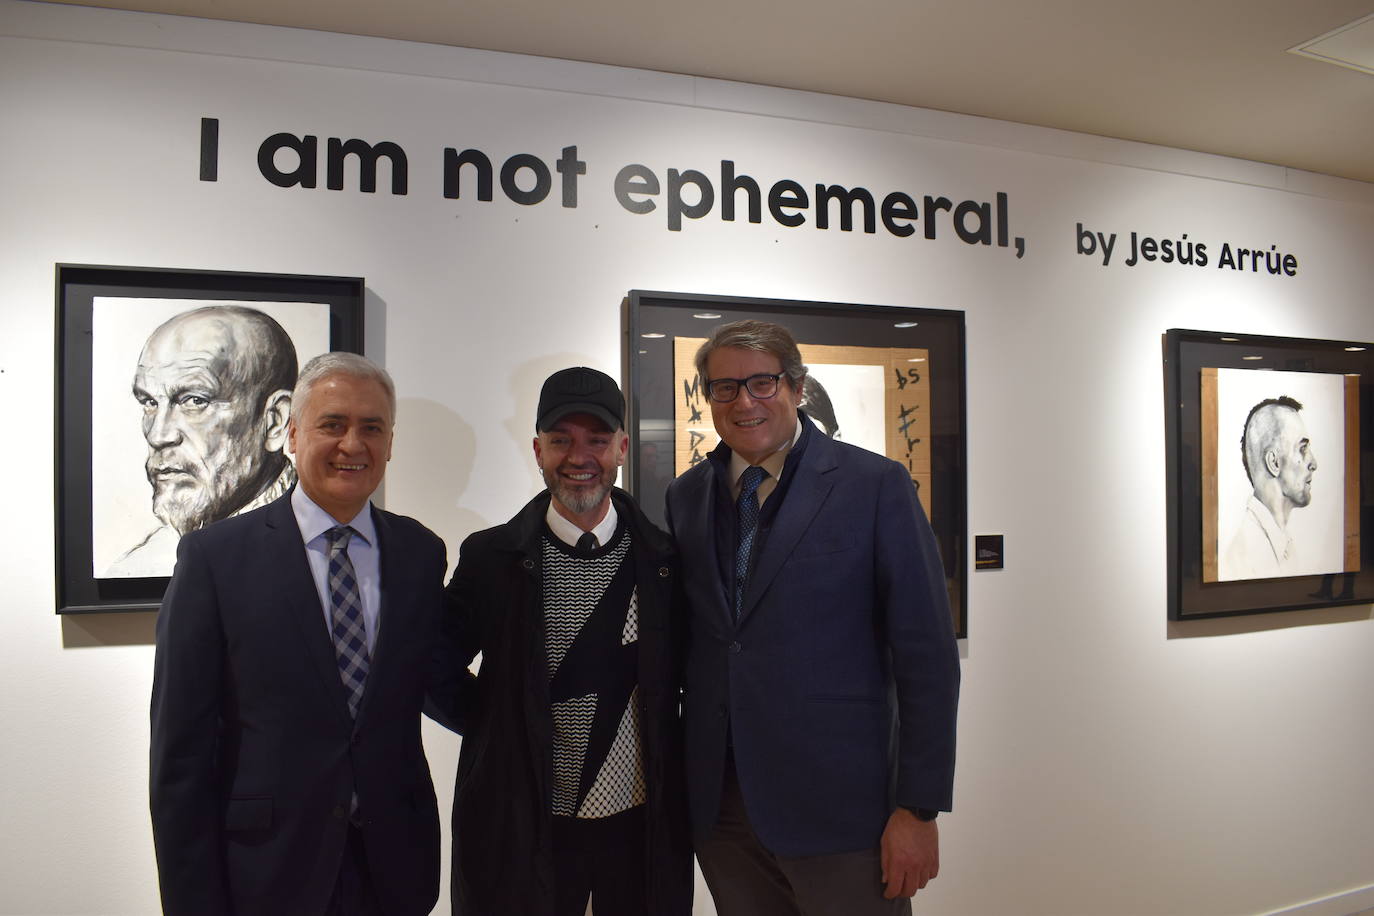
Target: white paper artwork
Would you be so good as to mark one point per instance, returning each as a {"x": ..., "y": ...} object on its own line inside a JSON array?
[
  {"x": 1288, "y": 521},
  {"x": 127, "y": 539}
]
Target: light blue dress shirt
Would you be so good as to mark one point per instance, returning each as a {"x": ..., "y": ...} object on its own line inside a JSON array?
[{"x": 363, "y": 550}]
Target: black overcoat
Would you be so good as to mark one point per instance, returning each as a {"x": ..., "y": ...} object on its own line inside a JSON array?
[{"x": 502, "y": 825}]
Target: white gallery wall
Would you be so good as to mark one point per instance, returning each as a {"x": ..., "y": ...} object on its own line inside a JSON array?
[{"x": 1110, "y": 762}]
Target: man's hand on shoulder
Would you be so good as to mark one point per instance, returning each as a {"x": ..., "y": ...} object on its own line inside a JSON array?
[{"x": 910, "y": 854}]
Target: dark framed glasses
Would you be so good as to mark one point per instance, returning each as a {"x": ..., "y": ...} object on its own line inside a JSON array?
[{"x": 761, "y": 387}]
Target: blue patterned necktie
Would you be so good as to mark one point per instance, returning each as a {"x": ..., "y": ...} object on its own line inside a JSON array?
[
  {"x": 748, "y": 509},
  {"x": 346, "y": 612}
]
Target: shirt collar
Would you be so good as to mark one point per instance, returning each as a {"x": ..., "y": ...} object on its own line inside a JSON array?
[
  {"x": 569, "y": 533},
  {"x": 772, "y": 464},
  {"x": 314, "y": 521}
]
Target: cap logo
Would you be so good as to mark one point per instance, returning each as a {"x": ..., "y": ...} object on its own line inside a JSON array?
[{"x": 583, "y": 383}]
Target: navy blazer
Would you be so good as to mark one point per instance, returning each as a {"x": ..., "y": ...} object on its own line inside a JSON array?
[
  {"x": 254, "y": 757},
  {"x": 839, "y": 683}
]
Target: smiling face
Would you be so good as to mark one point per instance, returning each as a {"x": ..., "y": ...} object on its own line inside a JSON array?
[
  {"x": 341, "y": 438},
  {"x": 754, "y": 429},
  {"x": 579, "y": 457},
  {"x": 204, "y": 423}
]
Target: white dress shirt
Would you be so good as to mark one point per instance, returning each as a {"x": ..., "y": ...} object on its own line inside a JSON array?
[{"x": 569, "y": 533}]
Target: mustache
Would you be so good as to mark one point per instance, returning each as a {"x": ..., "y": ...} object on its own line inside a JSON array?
[{"x": 158, "y": 464}]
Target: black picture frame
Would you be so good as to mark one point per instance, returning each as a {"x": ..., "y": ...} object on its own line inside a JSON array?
[
  {"x": 1194, "y": 592},
  {"x": 78, "y": 590},
  {"x": 652, "y": 382}
]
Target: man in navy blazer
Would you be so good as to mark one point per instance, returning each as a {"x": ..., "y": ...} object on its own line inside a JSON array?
[
  {"x": 822, "y": 673},
  {"x": 287, "y": 775}
]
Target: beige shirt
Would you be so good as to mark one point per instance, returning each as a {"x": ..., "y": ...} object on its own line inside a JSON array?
[{"x": 772, "y": 464}]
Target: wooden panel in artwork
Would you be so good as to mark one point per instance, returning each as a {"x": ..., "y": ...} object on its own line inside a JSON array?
[
  {"x": 1352, "y": 473},
  {"x": 1209, "y": 475},
  {"x": 905, "y": 414}
]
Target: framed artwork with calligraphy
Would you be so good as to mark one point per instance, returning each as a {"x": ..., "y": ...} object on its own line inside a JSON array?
[
  {"x": 1270, "y": 451},
  {"x": 880, "y": 377}
]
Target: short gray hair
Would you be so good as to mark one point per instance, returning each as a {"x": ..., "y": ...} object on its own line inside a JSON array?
[
  {"x": 339, "y": 363},
  {"x": 763, "y": 336}
]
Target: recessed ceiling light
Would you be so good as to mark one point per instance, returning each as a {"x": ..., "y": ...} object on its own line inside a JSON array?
[
  {"x": 652, "y": 335},
  {"x": 905, "y": 324},
  {"x": 1252, "y": 357},
  {"x": 1350, "y": 46},
  {"x": 917, "y": 359},
  {"x": 1231, "y": 339},
  {"x": 709, "y": 316},
  {"x": 1354, "y": 349}
]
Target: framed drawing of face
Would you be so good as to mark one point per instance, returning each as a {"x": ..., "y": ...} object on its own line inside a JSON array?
[
  {"x": 1266, "y": 461},
  {"x": 174, "y": 395}
]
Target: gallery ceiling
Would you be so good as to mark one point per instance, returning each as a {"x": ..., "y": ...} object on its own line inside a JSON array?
[{"x": 1207, "y": 75}]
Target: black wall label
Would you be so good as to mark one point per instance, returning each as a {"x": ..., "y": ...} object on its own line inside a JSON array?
[{"x": 987, "y": 551}]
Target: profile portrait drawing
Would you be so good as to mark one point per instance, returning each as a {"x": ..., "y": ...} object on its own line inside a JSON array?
[
  {"x": 206, "y": 393},
  {"x": 1280, "y": 448},
  {"x": 849, "y": 403}
]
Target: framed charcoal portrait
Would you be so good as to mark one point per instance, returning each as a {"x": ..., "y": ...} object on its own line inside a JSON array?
[
  {"x": 880, "y": 377},
  {"x": 173, "y": 396},
  {"x": 1269, "y": 452}
]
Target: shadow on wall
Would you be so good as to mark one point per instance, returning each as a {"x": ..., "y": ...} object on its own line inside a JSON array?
[{"x": 431, "y": 468}]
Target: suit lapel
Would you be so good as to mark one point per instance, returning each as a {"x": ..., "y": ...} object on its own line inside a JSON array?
[
  {"x": 302, "y": 601},
  {"x": 803, "y": 499},
  {"x": 715, "y": 496},
  {"x": 390, "y": 625}
]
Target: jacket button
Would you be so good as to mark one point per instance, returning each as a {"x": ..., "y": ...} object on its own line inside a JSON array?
[
  {"x": 735, "y": 648},
  {"x": 340, "y": 812},
  {"x": 528, "y": 563},
  {"x": 663, "y": 572}
]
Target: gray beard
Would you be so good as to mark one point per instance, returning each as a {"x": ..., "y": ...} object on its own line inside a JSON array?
[{"x": 576, "y": 502}]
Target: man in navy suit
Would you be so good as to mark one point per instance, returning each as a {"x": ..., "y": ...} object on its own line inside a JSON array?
[
  {"x": 822, "y": 673},
  {"x": 287, "y": 773}
]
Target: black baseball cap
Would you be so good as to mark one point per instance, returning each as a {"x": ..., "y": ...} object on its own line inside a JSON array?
[{"x": 580, "y": 390}]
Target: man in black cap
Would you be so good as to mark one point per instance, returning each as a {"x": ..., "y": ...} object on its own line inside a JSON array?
[{"x": 570, "y": 780}]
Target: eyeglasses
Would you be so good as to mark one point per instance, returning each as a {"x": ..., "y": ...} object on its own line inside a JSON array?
[{"x": 761, "y": 387}]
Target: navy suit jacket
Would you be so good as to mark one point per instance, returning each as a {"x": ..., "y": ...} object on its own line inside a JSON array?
[
  {"x": 254, "y": 757},
  {"x": 839, "y": 682}
]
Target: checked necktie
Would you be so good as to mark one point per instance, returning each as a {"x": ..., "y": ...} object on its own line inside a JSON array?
[
  {"x": 748, "y": 510},
  {"x": 346, "y": 612}
]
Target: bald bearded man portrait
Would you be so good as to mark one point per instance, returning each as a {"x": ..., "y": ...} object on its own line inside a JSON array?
[{"x": 215, "y": 387}]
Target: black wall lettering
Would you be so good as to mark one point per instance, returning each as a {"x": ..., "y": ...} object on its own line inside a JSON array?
[
  {"x": 542, "y": 179},
  {"x": 305, "y": 149},
  {"x": 367, "y": 155},
  {"x": 209, "y": 149},
  {"x": 636, "y": 179},
  {"x": 847, "y": 199}
]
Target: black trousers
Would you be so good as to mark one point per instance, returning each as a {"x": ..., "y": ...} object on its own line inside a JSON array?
[
  {"x": 746, "y": 879},
  {"x": 354, "y": 894},
  {"x": 604, "y": 859}
]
